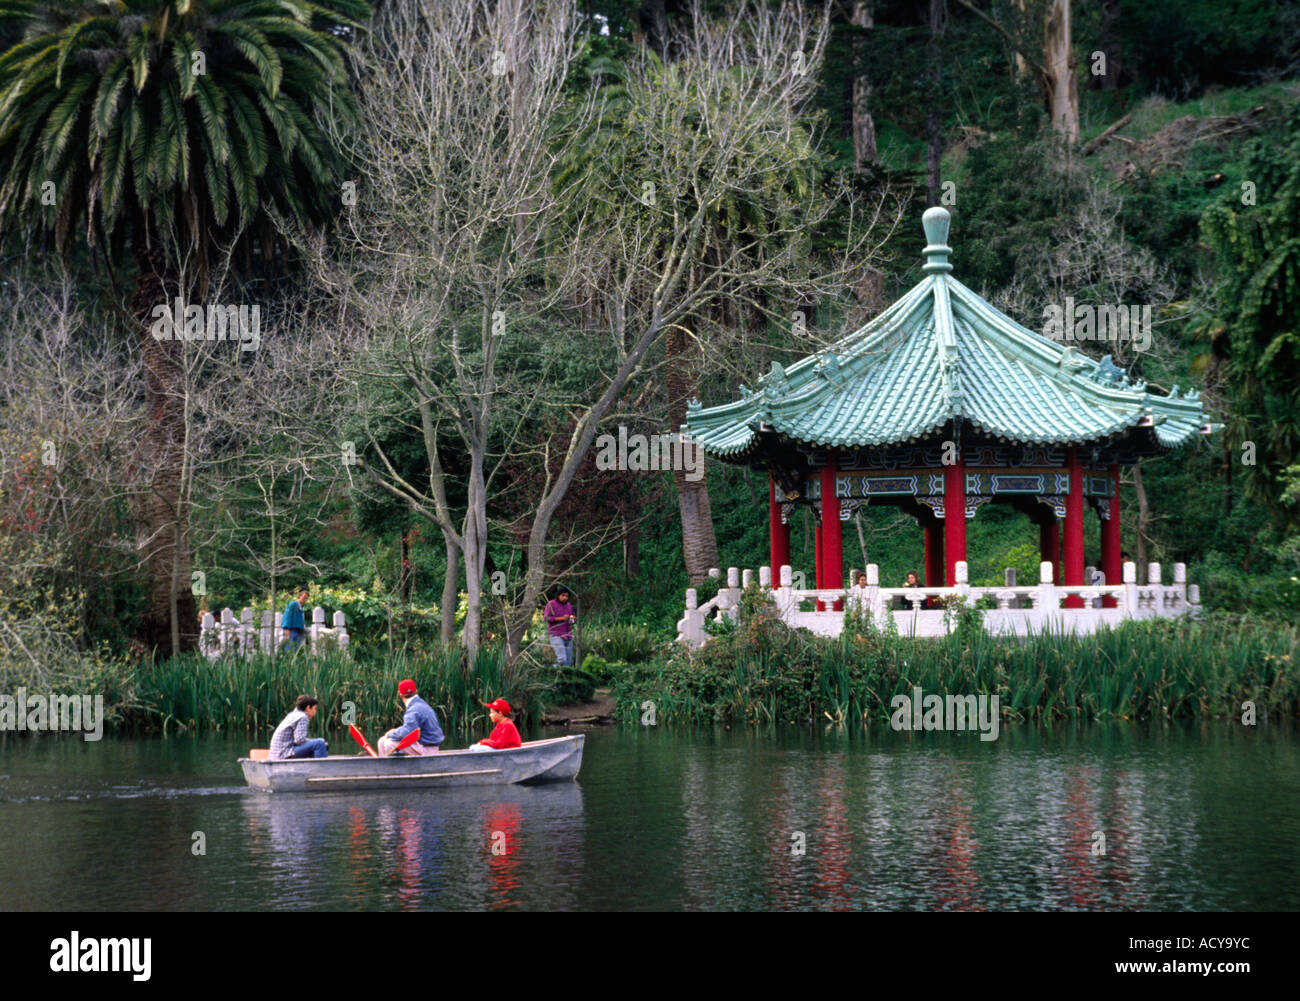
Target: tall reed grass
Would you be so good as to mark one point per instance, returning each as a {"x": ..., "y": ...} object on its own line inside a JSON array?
[
  {"x": 766, "y": 673},
  {"x": 253, "y": 694}
]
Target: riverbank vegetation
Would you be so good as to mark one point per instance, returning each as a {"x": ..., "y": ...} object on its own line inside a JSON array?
[
  {"x": 762, "y": 672},
  {"x": 251, "y": 695}
]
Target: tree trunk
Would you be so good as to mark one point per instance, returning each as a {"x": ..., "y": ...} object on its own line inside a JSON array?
[
  {"x": 475, "y": 536},
  {"x": 1227, "y": 478},
  {"x": 169, "y": 624},
  {"x": 1063, "y": 95},
  {"x": 404, "y": 587},
  {"x": 450, "y": 590},
  {"x": 1022, "y": 64},
  {"x": 632, "y": 550},
  {"x": 1144, "y": 519},
  {"x": 1109, "y": 38},
  {"x": 699, "y": 546},
  {"x": 864, "y": 126}
]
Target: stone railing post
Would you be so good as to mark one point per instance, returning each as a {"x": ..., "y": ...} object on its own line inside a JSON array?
[
  {"x": 341, "y": 632},
  {"x": 765, "y": 577},
  {"x": 229, "y": 628},
  {"x": 207, "y": 635},
  {"x": 1045, "y": 600},
  {"x": 689, "y": 630},
  {"x": 746, "y": 579},
  {"x": 1181, "y": 599},
  {"x": 874, "y": 600},
  {"x": 787, "y": 603},
  {"x": 316, "y": 629},
  {"x": 1129, "y": 601},
  {"x": 267, "y": 637},
  {"x": 963, "y": 588},
  {"x": 247, "y": 634},
  {"x": 733, "y": 591}
]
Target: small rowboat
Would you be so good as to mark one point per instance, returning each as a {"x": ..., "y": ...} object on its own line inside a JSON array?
[{"x": 554, "y": 760}]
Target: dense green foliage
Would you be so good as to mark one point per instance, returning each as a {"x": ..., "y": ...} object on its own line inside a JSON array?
[{"x": 764, "y": 672}]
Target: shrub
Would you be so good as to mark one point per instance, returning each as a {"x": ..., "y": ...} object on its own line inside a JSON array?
[
  {"x": 621, "y": 641},
  {"x": 603, "y": 671},
  {"x": 572, "y": 684}
]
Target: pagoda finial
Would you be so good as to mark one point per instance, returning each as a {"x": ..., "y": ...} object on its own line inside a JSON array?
[{"x": 935, "y": 221}]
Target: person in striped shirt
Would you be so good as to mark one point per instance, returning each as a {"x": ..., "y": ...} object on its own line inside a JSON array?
[{"x": 290, "y": 738}]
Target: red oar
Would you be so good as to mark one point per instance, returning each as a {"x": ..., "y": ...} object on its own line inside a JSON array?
[
  {"x": 356, "y": 735},
  {"x": 408, "y": 740}
]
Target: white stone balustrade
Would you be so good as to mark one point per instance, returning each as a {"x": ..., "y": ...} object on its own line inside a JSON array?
[
  {"x": 1019, "y": 609},
  {"x": 231, "y": 637}
]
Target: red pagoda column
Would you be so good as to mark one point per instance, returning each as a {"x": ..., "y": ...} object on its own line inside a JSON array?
[
  {"x": 1110, "y": 543},
  {"x": 832, "y": 561},
  {"x": 1049, "y": 545},
  {"x": 1074, "y": 527},
  {"x": 954, "y": 519},
  {"x": 933, "y": 552},
  {"x": 818, "y": 562},
  {"x": 779, "y": 533}
]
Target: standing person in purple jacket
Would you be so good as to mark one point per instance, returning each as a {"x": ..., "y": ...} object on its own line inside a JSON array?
[{"x": 559, "y": 617}]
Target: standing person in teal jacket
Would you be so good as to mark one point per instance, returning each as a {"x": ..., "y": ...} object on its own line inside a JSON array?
[{"x": 294, "y": 622}]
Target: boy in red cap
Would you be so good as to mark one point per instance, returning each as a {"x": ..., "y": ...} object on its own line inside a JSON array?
[{"x": 504, "y": 735}]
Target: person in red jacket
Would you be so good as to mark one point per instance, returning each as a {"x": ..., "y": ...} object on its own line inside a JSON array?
[{"x": 504, "y": 735}]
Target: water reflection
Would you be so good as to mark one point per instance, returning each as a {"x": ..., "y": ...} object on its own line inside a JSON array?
[
  {"x": 417, "y": 851},
  {"x": 1194, "y": 818}
]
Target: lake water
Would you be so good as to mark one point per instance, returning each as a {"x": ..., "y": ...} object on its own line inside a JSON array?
[{"x": 1194, "y": 816}]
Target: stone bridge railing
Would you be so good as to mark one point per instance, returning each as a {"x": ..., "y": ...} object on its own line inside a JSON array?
[
  {"x": 1020, "y": 610},
  {"x": 231, "y": 637}
]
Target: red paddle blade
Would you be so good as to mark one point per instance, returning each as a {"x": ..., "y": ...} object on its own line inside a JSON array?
[
  {"x": 356, "y": 735},
  {"x": 409, "y": 739}
]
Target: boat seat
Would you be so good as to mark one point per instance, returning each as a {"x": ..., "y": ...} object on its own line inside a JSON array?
[{"x": 260, "y": 753}]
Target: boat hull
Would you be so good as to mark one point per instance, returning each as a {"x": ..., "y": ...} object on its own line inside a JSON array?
[{"x": 554, "y": 760}]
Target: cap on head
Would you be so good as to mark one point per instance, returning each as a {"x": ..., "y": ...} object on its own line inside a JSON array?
[
  {"x": 500, "y": 705},
  {"x": 407, "y": 687}
]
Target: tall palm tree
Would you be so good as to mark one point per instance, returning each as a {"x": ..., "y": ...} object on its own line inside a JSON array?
[{"x": 161, "y": 130}]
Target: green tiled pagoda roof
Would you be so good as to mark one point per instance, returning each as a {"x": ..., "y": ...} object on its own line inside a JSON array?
[{"x": 939, "y": 353}]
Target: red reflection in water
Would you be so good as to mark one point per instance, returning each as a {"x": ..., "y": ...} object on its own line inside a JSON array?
[
  {"x": 1081, "y": 865},
  {"x": 834, "y": 844},
  {"x": 358, "y": 853},
  {"x": 958, "y": 884},
  {"x": 408, "y": 859},
  {"x": 501, "y": 825}
]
